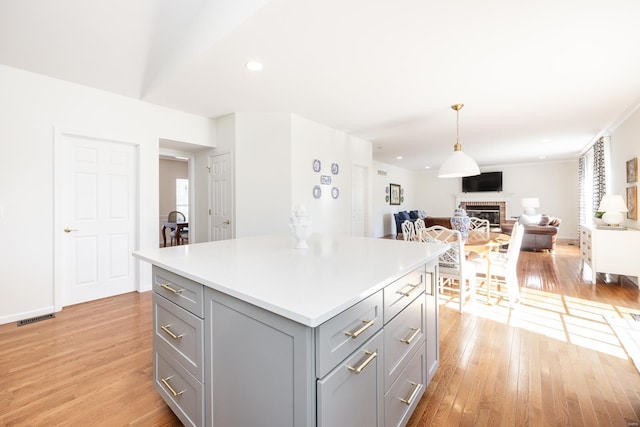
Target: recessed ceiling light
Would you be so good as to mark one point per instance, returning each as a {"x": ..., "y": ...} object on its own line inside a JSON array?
[
  {"x": 181, "y": 158},
  {"x": 427, "y": 167},
  {"x": 542, "y": 157},
  {"x": 254, "y": 65},
  {"x": 399, "y": 158}
]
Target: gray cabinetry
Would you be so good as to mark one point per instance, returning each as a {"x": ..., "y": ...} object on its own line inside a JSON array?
[
  {"x": 221, "y": 361},
  {"x": 178, "y": 345}
]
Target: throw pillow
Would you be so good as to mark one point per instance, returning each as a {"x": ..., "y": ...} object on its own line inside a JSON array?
[
  {"x": 544, "y": 220},
  {"x": 413, "y": 214},
  {"x": 422, "y": 214},
  {"x": 554, "y": 222},
  {"x": 404, "y": 215},
  {"x": 529, "y": 219}
]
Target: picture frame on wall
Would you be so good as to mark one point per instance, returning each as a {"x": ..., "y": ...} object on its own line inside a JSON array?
[
  {"x": 394, "y": 194},
  {"x": 632, "y": 170},
  {"x": 632, "y": 203}
]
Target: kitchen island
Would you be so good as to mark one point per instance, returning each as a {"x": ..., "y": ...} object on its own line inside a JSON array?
[{"x": 252, "y": 331}]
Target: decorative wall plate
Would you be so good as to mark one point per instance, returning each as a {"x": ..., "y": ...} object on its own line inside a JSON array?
[
  {"x": 335, "y": 192},
  {"x": 335, "y": 168},
  {"x": 325, "y": 179},
  {"x": 317, "y": 192},
  {"x": 317, "y": 165}
]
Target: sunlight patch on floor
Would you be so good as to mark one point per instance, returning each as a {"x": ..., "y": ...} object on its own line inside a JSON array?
[{"x": 567, "y": 319}]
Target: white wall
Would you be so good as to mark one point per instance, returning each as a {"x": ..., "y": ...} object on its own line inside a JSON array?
[
  {"x": 624, "y": 147},
  {"x": 262, "y": 173},
  {"x": 554, "y": 183},
  {"x": 382, "y": 215},
  {"x": 31, "y": 107},
  {"x": 310, "y": 141}
]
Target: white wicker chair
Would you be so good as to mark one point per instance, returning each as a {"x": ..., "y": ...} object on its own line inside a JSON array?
[
  {"x": 408, "y": 231},
  {"x": 455, "y": 272}
]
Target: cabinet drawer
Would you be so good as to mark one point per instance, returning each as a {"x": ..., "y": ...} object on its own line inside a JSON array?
[
  {"x": 179, "y": 389},
  {"x": 403, "y": 396},
  {"x": 184, "y": 292},
  {"x": 401, "y": 338},
  {"x": 341, "y": 335},
  {"x": 180, "y": 333},
  {"x": 400, "y": 293},
  {"x": 350, "y": 398}
]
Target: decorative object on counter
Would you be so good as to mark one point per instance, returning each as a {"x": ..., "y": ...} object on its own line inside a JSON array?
[
  {"x": 300, "y": 226},
  {"x": 317, "y": 192},
  {"x": 317, "y": 165},
  {"x": 632, "y": 170},
  {"x": 530, "y": 204},
  {"x": 335, "y": 168},
  {"x": 460, "y": 221},
  {"x": 394, "y": 190},
  {"x": 325, "y": 179},
  {"x": 632, "y": 202},
  {"x": 458, "y": 164},
  {"x": 613, "y": 206},
  {"x": 335, "y": 192}
]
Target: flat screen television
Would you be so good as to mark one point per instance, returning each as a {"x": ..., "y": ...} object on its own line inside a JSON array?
[{"x": 486, "y": 181}]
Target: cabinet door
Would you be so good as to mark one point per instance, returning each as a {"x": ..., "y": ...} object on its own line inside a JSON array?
[
  {"x": 431, "y": 327},
  {"x": 352, "y": 394}
]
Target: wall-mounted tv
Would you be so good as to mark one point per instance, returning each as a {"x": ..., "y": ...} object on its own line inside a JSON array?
[{"x": 486, "y": 181}]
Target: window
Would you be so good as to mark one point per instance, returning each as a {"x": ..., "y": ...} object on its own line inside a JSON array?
[{"x": 182, "y": 197}]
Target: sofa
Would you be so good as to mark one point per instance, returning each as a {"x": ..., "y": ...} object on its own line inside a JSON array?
[
  {"x": 540, "y": 231},
  {"x": 403, "y": 216}
]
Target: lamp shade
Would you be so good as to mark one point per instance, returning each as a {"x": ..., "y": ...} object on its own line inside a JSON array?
[
  {"x": 613, "y": 205},
  {"x": 613, "y": 202},
  {"x": 458, "y": 165}
]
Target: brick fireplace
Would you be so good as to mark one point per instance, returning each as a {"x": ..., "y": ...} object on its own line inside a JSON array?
[
  {"x": 493, "y": 206},
  {"x": 495, "y": 212}
]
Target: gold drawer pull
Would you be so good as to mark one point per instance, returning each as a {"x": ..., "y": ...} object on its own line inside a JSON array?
[
  {"x": 415, "y": 333},
  {"x": 408, "y": 293},
  {"x": 171, "y": 334},
  {"x": 170, "y": 289},
  {"x": 416, "y": 388},
  {"x": 357, "y": 370},
  {"x": 366, "y": 324},
  {"x": 165, "y": 381}
]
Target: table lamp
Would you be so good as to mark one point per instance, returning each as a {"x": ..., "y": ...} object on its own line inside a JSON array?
[
  {"x": 613, "y": 207},
  {"x": 530, "y": 204}
]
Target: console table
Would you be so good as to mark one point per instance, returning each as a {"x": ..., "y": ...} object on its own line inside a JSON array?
[
  {"x": 252, "y": 332},
  {"x": 610, "y": 251}
]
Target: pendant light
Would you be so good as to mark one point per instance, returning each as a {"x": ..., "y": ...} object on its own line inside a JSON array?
[{"x": 458, "y": 164}]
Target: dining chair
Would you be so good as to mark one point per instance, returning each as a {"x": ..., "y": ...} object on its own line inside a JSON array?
[
  {"x": 479, "y": 224},
  {"x": 175, "y": 216},
  {"x": 408, "y": 231},
  {"x": 504, "y": 266},
  {"x": 418, "y": 225},
  {"x": 455, "y": 273}
]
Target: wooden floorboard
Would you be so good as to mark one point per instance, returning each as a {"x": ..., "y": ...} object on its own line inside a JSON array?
[{"x": 552, "y": 361}]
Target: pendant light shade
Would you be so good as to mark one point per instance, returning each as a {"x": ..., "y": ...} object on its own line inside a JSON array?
[{"x": 458, "y": 164}]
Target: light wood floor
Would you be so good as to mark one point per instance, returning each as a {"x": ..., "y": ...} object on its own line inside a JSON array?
[{"x": 553, "y": 361}]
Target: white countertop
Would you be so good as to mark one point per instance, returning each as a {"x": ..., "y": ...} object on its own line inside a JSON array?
[{"x": 308, "y": 286}]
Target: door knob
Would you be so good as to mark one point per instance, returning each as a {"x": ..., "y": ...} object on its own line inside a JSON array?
[
  {"x": 69, "y": 230},
  {"x": 227, "y": 222}
]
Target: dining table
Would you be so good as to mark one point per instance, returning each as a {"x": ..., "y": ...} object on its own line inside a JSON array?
[
  {"x": 178, "y": 226},
  {"x": 483, "y": 244}
]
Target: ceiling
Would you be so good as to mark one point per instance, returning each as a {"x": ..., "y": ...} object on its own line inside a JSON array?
[{"x": 537, "y": 79}]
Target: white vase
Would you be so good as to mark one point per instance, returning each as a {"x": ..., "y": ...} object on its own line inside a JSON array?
[{"x": 300, "y": 226}]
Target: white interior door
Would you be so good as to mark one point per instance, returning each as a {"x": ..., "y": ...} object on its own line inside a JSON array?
[
  {"x": 95, "y": 218},
  {"x": 359, "y": 200},
  {"x": 221, "y": 211}
]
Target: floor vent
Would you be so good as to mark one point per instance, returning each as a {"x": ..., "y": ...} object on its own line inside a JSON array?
[{"x": 36, "y": 319}]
